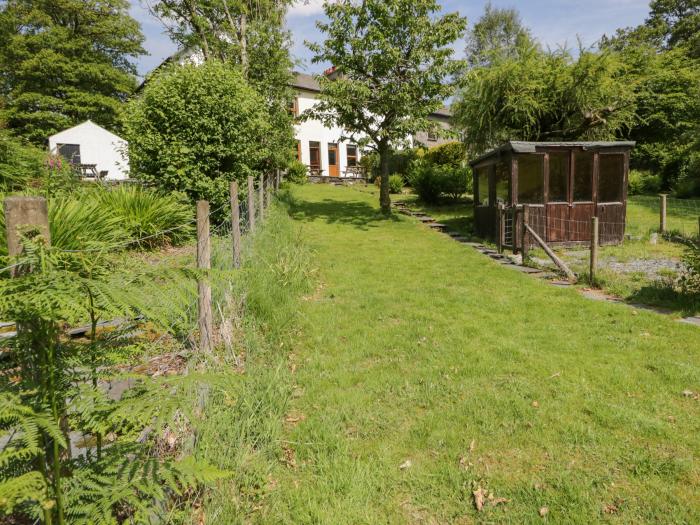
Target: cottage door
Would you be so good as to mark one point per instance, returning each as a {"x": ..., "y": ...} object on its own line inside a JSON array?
[{"x": 333, "y": 160}]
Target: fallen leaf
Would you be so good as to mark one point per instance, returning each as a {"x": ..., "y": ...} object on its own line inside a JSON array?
[
  {"x": 688, "y": 393},
  {"x": 544, "y": 511},
  {"x": 479, "y": 499},
  {"x": 555, "y": 375},
  {"x": 406, "y": 464},
  {"x": 472, "y": 445},
  {"x": 535, "y": 404}
]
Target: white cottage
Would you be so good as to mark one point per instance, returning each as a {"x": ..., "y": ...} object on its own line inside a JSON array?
[
  {"x": 321, "y": 147},
  {"x": 88, "y": 144}
]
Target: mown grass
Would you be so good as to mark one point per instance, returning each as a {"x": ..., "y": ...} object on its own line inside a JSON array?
[
  {"x": 642, "y": 222},
  {"x": 415, "y": 348}
]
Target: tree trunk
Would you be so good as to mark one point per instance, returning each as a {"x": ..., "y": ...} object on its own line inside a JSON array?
[
  {"x": 384, "y": 198},
  {"x": 243, "y": 38}
]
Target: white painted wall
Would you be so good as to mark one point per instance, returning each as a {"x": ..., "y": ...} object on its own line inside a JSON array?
[
  {"x": 316, "y": 131},
  {"x": 97, "y": 146}
]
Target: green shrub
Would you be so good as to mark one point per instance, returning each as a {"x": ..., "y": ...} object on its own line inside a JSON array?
[
  {"x": 370, "y": 163},
  {"x": 643, "y": 183},
  {"x": 297, "y": 172},
  {"x": 395, "y": 183},
  {"x": 431, "y": 182},
  {"x": 453, "y": 154},
  {"x": 144, "y": 213},
  {"x": 195, "y": 128},
  {"x": 690, "y": 280},
  {"x": 688, "y": 184},
  {"x": 27, "y": 168},
  {"x": 399, "y": 163}
]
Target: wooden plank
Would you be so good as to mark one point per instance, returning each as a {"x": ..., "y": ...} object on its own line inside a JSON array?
[
  {"x": 235, "y": 224},
  {"x": 251, "y": 204},
  {"x": 206, "y": 341},
  {"x": 560, "y": 264}
]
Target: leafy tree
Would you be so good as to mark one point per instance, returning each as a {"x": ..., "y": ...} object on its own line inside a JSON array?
[
  {"x": 250, "y": 35},
  {"x": 546, "y": 95},
  {"x": 195, "y": 128},
  {"x": 65, "y": 61},
  {"x": 499, "y": 33},
  {"x": 678, "y": 22},
  {"x": 661, "y": 55},
  {"x": 393, "y": 61}
]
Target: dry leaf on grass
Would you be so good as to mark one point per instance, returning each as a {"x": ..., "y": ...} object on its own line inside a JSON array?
[
  {"x": 472, "y": 445},
  {"x": 479, "y": 495},
  {"x": 483, "y": 497},
  {"x": 535, "y": 404},
  {"x": 544, "y": 511},
  {"x": 406, "y": 465}
]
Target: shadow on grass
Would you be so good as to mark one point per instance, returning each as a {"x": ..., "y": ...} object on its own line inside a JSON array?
[
  {"x": 663, "y": 295},
  {"x": 351, "y": 213}
]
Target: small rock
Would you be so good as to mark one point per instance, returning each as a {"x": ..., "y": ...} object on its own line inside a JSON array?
[
  {"x": 688, "y": 393},
  {"x": 654, "y": 238}
]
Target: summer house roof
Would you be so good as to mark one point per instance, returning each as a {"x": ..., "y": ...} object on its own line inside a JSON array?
[{"x": 516, "y": 146}]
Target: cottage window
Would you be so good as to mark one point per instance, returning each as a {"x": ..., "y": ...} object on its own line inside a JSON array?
[
  {"x": 531, "y": 179},
  {"x": 432, "y": 136},
  {"x": 558, "y": 177},
  {"x": 583, "y": 177},
  {"x": 483, "y": 185},
  {"x": 502, "y": 182},
  {"x": 612, "y": 174},
  {"x": 315, "y": 155},
  {"x": 70, "y": 152},
  {"x": 294, "y": 107},
  {"x": 351, "y": 151}
]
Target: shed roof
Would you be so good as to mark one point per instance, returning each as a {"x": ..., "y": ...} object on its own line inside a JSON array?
[
  {"x": 517, "y": 146},
  {"x": 89, "y": 124}
]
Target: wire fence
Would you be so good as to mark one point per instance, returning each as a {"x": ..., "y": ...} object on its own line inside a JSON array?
[{"x": 177, "y": 302}]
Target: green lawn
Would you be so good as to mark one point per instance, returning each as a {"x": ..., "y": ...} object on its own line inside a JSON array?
[{"x": 414, "y": 348}]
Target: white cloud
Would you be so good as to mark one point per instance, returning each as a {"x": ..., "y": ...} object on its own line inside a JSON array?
[{"x": 306, "y": 8}]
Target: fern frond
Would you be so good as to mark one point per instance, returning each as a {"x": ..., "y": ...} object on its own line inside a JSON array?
[{"x": 27, "y": 488}]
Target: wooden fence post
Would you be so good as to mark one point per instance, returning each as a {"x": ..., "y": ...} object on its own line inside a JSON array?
[
  {"x": 278, "y": 179},
  {"x": 595, "y": 241},
  {"x": 501, "y": 228},
  {"x": 261, "y": 197},
  {"x": 203, "y": 286},
  {"x": 267, "y": 187},
  {"x": 662, "y": 218},
  {"x": 235, "y": 225},
  {"x": 251, "y": 204},
  {"x": 523, "y": 236},
  {"x": 22, "y": 214}
]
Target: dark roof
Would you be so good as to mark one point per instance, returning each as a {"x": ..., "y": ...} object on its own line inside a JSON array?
[
  {"x": 517, "y": 146},
  {"x": 307, "y": 82}
]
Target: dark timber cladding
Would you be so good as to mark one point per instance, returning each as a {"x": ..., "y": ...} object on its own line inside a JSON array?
[{"x": 563, "y": 184}]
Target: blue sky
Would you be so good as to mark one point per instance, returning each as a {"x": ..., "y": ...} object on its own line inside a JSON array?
[{"x": 553, "y": 22}]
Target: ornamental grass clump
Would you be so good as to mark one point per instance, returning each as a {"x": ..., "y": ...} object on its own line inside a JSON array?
[{"x": 149, "y": 218}]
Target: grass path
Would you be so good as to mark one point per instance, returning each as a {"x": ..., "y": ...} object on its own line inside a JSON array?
[{"x": 419, "y": 351}]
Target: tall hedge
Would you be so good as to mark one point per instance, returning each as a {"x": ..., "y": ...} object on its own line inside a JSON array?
[{"x": 195, "y": 128}]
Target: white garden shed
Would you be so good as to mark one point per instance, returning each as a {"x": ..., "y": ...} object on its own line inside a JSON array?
[{"x": 88, "y": 144}]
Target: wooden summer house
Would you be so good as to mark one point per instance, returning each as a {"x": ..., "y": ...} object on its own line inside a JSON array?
[{"x": 556, "y": 186}]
